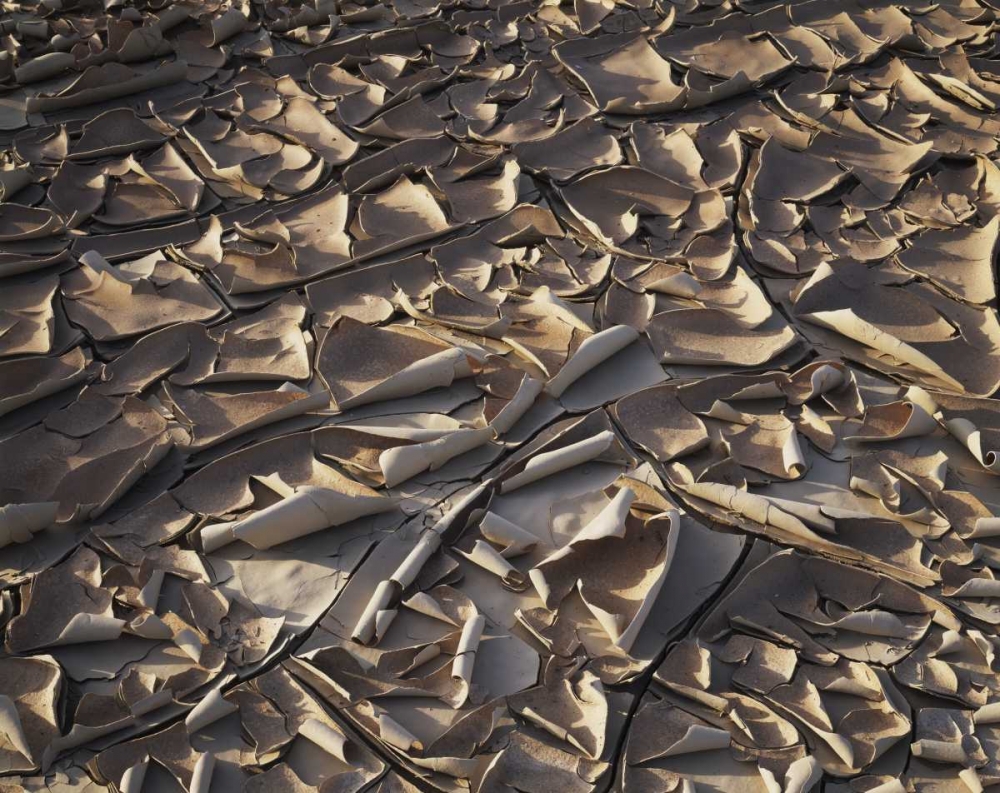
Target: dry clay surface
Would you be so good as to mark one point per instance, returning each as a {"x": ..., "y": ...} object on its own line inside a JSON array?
[{"x": 499, "y": 397}]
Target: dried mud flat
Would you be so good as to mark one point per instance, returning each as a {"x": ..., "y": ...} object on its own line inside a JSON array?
[{"x": 499, "y": 396}]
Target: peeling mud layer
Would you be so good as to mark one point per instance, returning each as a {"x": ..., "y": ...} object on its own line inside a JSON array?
[{"x": 499, "y": 397}]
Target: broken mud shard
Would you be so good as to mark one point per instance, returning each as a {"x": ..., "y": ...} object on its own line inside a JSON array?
[{"x": 481, "y": 397}]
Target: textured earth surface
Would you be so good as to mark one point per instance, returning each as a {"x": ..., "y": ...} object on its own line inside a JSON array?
[{"x": 538, "y": 396}]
